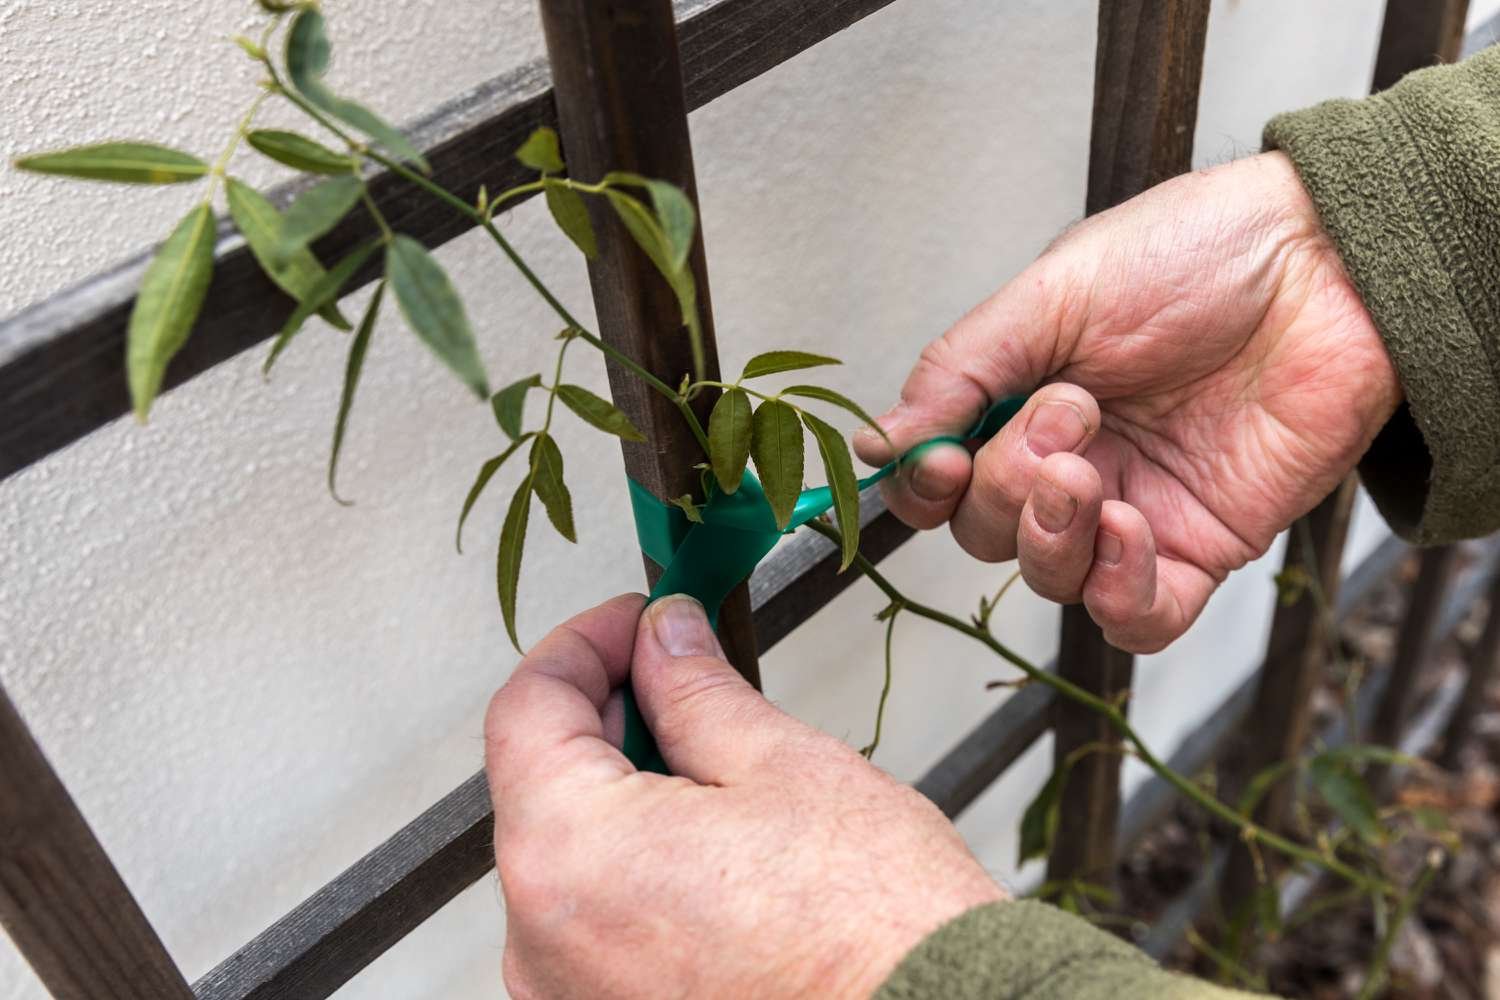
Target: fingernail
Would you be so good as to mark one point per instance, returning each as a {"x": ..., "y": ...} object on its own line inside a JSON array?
[
  {"x": 929, "y": 485},
  {"x": 1110, "y": 548},
  {"x": 682, "y": 627},
  {"x": 1052, "y": 506},
  {"x": 1055, "y": 427}
]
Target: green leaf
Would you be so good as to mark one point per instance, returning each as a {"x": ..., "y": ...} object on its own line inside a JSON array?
[
  {"x": 1268, "y": 908},
  {"x": 729, "y": 429},
  {"x": 777, "y": 445},
  {"x": 260, "y": 223},
  {"x": 299, "y": 152},
  {"x": 486, "y": 473},
  {"x": 127, "y": 162},
  {"x": 1347, "y": 795},
  {"x": 317, "y": 210},
  {"x": 433, "y": 309},
  {"x": 352, "y": 368},
  {"x": 167, "y": 304},
  {"x": 541, "y": 152},
  {"x": 1039, "y": 822},
  {"x": 676, "y": 218},
  {"x": 307, "y": 57},
  {"x": 836, "y": 398},
  {"x": 685, "y": 504},
  {"x": 841, "y": 481},
  {"x": 1261, "y": 783},
  {"x": 600, "y": 412},
  {"x": 646, "y": 230},
  {"x": 508, "y": 557},
  {"x": 572, "y": 217},
  {"x": 547, "y": 480},
  {"x": 772, "y": 362},
  {"x": 509, "y": 404},
  {"x": 1370, "y": 753},
  {"x": 326, "y": 291}
]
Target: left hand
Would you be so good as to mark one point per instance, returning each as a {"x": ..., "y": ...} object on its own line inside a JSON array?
[{"x": 777, "y": 862}]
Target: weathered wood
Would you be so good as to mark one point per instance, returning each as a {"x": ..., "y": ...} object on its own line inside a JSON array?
[
  {"x": 1483, "y": 671},
  {"x": 617, "y": 81},
  {"x": 347, "y": 924},
  {"x": 1297, "y": 649},
  {"x": 1147, "y": 69},
  {"x": 989, "y": 749},
  {"x": 62, "y": 902},
  {"x": 1415, "y": 639},
  {"x": 62, "y": 361},
  {"x": 1418, "y": 33}
]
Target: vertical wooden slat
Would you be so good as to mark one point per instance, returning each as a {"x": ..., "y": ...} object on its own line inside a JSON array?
[
  {"x": 1297, "y": 649},
  {"x": 1415, "y": 639},
  {"x": 61, "y": 900},
  {"x": 1147, "y": 69},
  {"x": 617, "y": 76},
  {"x": 1418, "y": 33},
  {"x": 1484, "y": 668}
]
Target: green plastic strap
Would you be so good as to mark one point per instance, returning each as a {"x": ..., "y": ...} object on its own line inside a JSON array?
[{"x": 708, "y": 560}]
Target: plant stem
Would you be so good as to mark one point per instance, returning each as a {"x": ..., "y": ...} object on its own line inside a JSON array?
[
  {"x": 1248, "y": 828},
  {"x": 885, "y": 691}
]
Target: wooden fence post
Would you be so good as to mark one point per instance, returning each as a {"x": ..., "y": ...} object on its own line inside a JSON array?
[
  {"x": 1147, "y": 69},
  {"x": 617, "y": 77},
  {"x": 1297, "y": 649},
  {"x": 61, "y": 900},
  {"x": 1484, "y": 668}
]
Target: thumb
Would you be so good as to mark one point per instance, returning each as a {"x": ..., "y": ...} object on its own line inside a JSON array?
[
  {"x": 1005, "y": 345},
  {"x": 709, "y": 723}
]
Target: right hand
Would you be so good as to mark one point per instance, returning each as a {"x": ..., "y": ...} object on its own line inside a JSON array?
[{"x": 1207, "y": 373}]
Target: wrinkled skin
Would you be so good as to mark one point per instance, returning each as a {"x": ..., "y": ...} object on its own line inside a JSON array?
[
  {"x": 1208, "y": 374},
  {"x": 776, "y": 863}
]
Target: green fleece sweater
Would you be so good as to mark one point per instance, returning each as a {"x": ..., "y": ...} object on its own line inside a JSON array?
[{"x": 1408, "y": 185}]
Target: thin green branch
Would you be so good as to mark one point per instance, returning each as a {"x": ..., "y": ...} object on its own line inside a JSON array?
[{"x": 885, "y": 690}]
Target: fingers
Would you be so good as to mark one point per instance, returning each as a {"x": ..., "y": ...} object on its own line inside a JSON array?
[
  {"x": 926, "y": 488},
  {"x": 1141, "y": 601},
  {"x": 544, "y": 730},
  {"x": 709, "y": 723},
  {"x": 1055, "y": 541},
  {"x": 1005, "y": 345},
  {"x": 1058, "y": 418}
]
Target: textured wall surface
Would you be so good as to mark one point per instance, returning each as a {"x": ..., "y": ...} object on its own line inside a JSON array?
[{"x": 247, "y": 686}]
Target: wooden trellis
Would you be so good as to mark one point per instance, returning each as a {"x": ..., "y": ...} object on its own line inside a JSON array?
[{"x": 623, "y": 78}]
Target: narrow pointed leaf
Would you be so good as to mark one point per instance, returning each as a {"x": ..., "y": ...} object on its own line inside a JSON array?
[
  {"x": 260, "y": 223},
  {"x": 1347, "y": 795},
  {"x": 167, "y": 304},
  {"x": 676, "y": 218},
  {"x": 600, "y": 412},
  {"x": 841, "y": 482},
  {"x": 1040, "y": 821},
  {"x": 434, "y": 310},
  {"x": 352, "y": 369},
  {"x": 317, "y": 210},
  {"x": 508, "y": 557},
  {"x": 838, "y": 399},
  {"x": 509, "y": 404},
  {"x": 685, "y": 504},
  {"x": 547, "y": 480},
  {"x": 323, "y": 293},
  {"x": 307, "y": 56},
  {"x": 729, "y": 438},
  {"x": 572, "y": 217},
  {"x": 646, "y": 230},
  {"x": 541, "y": 152},
  {"x": 299, "y": 152},
  {"x": 486, "y": 473},
  {"x": 777, "y": 446},
  {"x": 772, "y": 362},
  {"x": 126, "y": 162}
]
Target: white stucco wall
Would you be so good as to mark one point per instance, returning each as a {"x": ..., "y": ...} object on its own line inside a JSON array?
[{"x": 246, "y": 686}]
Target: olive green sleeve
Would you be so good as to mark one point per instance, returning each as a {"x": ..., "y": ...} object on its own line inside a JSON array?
[
  {"x": 1407, "y": 183},
  {"x": 1036, "y": 951}
]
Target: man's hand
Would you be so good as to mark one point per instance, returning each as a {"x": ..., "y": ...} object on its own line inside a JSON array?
[
  {"x": 778, "y": 863},
  {"x": 1208, "y": 374}
]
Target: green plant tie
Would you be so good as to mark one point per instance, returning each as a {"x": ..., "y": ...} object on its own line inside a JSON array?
[{"x": 709, "y": 559}]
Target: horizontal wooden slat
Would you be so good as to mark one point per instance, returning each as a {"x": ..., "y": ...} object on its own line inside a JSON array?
[
  {"x": 991, "y": 747},
  {"x": 62, "y": 360}
]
